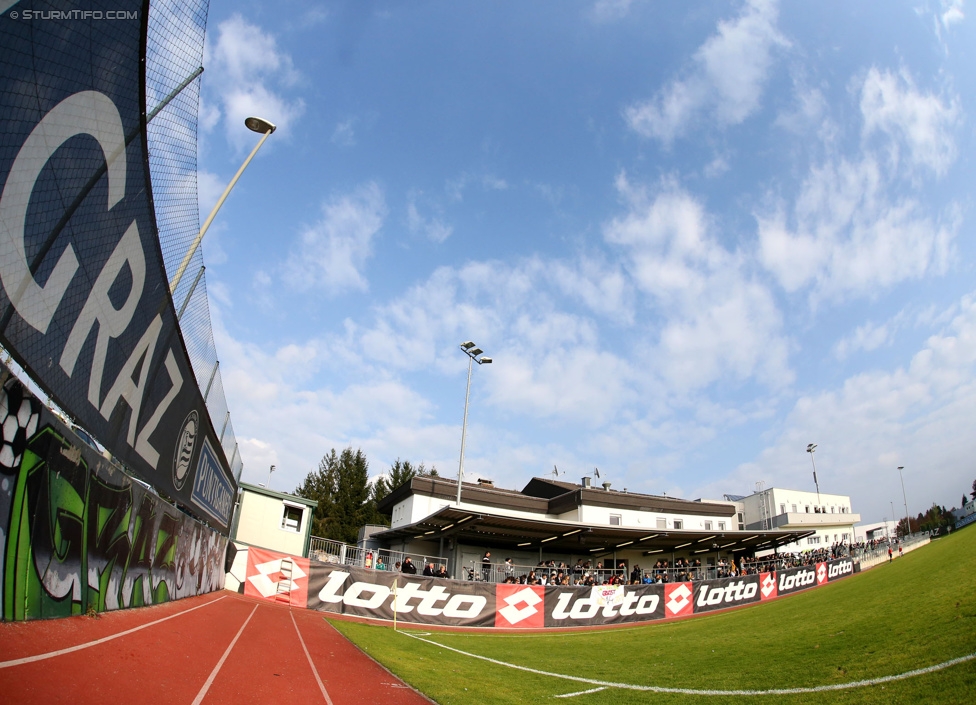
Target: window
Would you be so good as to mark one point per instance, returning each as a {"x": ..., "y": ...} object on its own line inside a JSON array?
[
  {"x": 813, "y": 540},
  {"x": 677, "y": 523},
  {"x": 782, "y": 509},
  {"x": 662, "y": 523},
  {"x": 794, "y": 509},
  {"x": 807, "y": 508},
  {"x": 614, "y": 520},
  {"x": 291, "y": 518},
  {"x": 708, "y": 526},
  {"x": 721, "y": 526}
]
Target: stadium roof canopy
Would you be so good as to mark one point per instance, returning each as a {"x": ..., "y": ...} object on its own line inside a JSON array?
[{"x": 475, "y": 523}]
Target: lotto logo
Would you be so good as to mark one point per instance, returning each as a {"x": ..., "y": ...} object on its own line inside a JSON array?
[
  {"x": 677, "y": 599},
  {"x": 821, "y": 573},
  {"x": 767, "y": 585},
  {"x": 517, "y": 606}
]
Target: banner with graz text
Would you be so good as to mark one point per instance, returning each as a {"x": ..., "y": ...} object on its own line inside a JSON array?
[{"x": 85, "y": 306}]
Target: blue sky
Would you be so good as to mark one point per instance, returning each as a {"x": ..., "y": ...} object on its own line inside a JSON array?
[{"x": 694, "y": 239}]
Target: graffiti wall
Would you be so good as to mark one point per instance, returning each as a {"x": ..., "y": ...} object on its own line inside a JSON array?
[{"x": 78, "y": 534}]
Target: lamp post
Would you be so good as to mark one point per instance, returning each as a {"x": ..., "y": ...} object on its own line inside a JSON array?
[
  {"x": 269, "y": 476},
  {"x": 472, "y": 351},
  {"x": 811, "y": 449},
  {"x": 255, "y": 124},
  {"x": 908, "y": 521}
]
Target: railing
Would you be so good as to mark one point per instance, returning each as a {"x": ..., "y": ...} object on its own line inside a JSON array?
[{"x": 329, "y": 551}]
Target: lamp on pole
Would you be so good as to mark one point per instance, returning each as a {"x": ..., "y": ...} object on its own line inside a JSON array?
[
  {"x": 269, "y": 476},
  {"x": 811, "y": 449},
  {"x": 472, "y": 351},
  {"x": 908, "y": 521},
  {"x": 255, "y": 124}
]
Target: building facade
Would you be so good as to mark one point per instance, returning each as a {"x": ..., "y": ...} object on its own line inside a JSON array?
[{"x": 827, "y": 519}]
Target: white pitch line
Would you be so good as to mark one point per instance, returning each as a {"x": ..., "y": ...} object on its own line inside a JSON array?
[
  {"x": 213, "y": 674},
  {"x": 582, "y": 692},
  {"x": 318, "y": 680},
  {"x": 96, "y": 642},
  {"x": 691, "y": 691}
]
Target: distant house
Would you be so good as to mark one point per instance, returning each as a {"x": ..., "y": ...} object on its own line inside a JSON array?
[
  {"x": 274, "y": 520},
  {"x": 822, "y": 519},
  {"x": 565, "y": 522}
]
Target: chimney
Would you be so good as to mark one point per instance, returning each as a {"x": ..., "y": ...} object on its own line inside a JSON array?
[
  {"x": 586, "y": 481},
  {"x": 606, "y": 486}
]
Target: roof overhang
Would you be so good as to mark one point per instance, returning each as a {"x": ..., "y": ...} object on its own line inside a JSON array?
[{"x": 516, "y": 533}]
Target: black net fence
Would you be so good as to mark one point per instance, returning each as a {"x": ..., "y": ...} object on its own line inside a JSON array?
[
  {"x": 98, "y": 150},
  {"x": 174, "y": 56}
]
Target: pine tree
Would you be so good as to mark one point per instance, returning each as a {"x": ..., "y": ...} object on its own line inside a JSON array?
[{"x": 321, "y": 485}]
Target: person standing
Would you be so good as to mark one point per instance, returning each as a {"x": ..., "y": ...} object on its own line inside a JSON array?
[{"x": 486, "y": 566}]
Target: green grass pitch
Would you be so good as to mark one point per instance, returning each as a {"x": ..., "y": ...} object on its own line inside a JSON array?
[{"x": 916, "y": 612}]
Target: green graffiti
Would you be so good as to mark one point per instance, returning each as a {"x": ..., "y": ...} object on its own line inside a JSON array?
[{"x": 82, "y": 538}]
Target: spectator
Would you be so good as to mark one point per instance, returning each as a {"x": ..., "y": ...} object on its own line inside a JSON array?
[
  {"x": 380, "y": 565},
  {"x": 441, "y": 572},
  {"x": 486, "y": 566},
  {"x": 408, "y": 567},
  {"x": 429, "y": 570}
]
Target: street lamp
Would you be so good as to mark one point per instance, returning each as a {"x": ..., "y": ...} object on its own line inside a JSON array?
[
  {"x": 255, "y": 124},
  {"x": 269, "y": 476},
  {"x": 472, "y": 351},
  {"x": 908, "y": 521},
  {"x": 811, "y": 449}
]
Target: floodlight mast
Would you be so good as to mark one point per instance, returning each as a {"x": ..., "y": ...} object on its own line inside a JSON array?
[
  {"x": 472, "y": 351},
  {"x": 811, "y": 449}
]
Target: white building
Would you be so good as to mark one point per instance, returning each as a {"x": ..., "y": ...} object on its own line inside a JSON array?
[
  {"x": 825, "y": 519},
  {"x": 564, "y": 521}
]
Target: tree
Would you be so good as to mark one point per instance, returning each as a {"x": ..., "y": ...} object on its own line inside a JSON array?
[
  {"x": 341, "y": 488},
  {"x": 973, "y": 493}
]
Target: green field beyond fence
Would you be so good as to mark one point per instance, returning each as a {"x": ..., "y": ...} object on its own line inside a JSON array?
[{"x": 915, "y": 613}]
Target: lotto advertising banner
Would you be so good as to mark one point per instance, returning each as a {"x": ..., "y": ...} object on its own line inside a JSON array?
[
  {"x": 277, "y": 576},
  {"x": 84, "y": 298},
  {"x": 607, "y": 604},
  {"x": 77, "y": 534},
  {"x": 726, "y": 592},
  {"x": 369, "y": 593}
]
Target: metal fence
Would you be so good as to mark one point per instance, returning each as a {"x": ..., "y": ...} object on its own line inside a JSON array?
[{"x": 329, "y": 551}]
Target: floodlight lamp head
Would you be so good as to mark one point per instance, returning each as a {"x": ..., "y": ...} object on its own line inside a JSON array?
[
  {"x": 467, "y": 345},
  {"x": 484, "y": 361},
  {"x": 812, "y": 447},
  {"x": 474, "y": 352},
  {"x": 260, "y": 125}
]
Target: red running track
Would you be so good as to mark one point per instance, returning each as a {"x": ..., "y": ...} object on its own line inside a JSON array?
[{"x": 213, "y": 649}]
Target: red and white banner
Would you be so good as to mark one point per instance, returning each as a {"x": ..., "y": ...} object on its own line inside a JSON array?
[{"x": 277, "y": 577}]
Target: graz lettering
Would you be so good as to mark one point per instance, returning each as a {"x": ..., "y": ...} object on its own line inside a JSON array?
[
  {"x": 408, "y": 597},
  {"x": 94, "y": 114}
]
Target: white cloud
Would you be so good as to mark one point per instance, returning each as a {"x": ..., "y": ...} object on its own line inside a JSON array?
[
  {"x": 727, "y": 79},
  {"x": 434, "y": 229},
  {"x": 867, "y": 337},
  {"x": 849, "y": 237},
  {"x": 608, "y": 10},
  {"x": 922, "y": 124},
  {"x": 918, "y": 416},
  {"x": 952, "y": 12},
  {"x": 246, "y": 75},
  {"x": 331, "y": 254},
  {"x": 717, "y": 321},
  {"x": 344, "y": 134}
]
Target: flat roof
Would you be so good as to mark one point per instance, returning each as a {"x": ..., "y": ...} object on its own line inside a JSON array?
[{"x": 254, "y": 489}]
